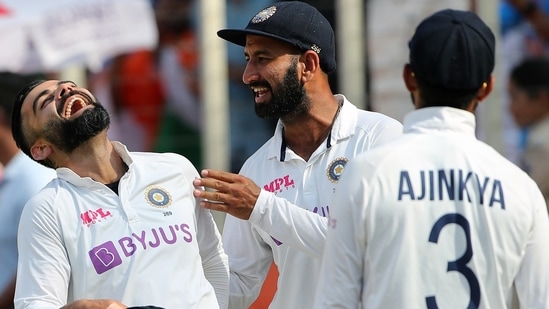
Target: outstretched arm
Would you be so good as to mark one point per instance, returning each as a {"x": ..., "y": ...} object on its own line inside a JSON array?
[{"x": 240, "y": 197}]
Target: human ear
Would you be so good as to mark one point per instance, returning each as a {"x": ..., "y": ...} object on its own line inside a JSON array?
[
  {"x": 40, "y": 150},
  {"x": 311, "y": 64},
  {"x": 486, "y": 89},
  {"x": 409, "y": 78}
]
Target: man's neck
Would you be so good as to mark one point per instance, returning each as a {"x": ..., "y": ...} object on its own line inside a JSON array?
[
  {"x": 305, "y": 135},
  {"x": 98, "y": 160}
]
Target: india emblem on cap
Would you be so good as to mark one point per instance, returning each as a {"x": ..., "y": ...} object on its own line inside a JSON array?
[{"x": 264, "y": 15}]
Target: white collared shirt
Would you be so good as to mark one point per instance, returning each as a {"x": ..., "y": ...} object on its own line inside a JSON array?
[
  {"x": 151, "y": 244},
  {"x": 22, "y": 179},
  {"x": 288, "y": 223},
  {"x": 435, "y": 216}
]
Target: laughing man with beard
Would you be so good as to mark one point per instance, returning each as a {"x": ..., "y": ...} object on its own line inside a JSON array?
[{"x": 116, "y": 228}]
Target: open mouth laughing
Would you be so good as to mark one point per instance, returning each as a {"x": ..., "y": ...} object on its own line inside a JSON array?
[
  {"x": 259, "y": 92},
  {"x": 72, "y": 105}
]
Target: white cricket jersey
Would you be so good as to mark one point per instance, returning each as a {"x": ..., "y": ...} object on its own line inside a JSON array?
[
  {"x": 288, "y": 223},
  {"x": 23, "y": 178},
  {"x": 435, "y": 217},
  {"x": 150, "y": 245}
]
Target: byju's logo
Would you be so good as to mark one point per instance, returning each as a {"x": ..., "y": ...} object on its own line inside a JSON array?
[
  {"x": 108, "y": 255},
  {"x": 90, "y": 217},
  {"x": 104, "y": 257}
]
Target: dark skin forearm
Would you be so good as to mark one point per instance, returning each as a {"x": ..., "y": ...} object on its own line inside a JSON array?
[{"x": 6, "y": 296}]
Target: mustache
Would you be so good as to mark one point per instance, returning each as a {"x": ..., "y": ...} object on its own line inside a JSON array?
[{"x": 262, "y": 84}]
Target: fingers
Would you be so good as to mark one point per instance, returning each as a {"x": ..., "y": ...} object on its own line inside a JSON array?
[
  {"x": 215, "y": 206},
  {"x": 213, "y": 179},
  {"x": 227, "y": 192},
  {"x": 239, "y": 212},
  {"x": 211, "y": 190},
  {"x": 219, "y": 175},
  {"x": 220, "y": 202},
  {"x": 213, "y": 196},
  {"x": 214, "y": 184}
]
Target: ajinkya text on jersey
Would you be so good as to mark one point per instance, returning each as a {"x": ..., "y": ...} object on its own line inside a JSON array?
[{"x": 450, "y": 184}]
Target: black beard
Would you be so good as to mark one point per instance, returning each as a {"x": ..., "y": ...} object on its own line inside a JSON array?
[
  {"x": 287, "y": 100},
  {"x": 69, "y": 134}
]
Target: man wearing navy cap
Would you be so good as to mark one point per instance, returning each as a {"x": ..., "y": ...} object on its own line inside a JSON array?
[
  {"x": 436, "y": 218},
  {"x": 279, "y": 203}
]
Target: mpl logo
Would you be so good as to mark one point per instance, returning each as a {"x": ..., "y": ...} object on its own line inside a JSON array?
[
  {"x": 93, "y": 216},
  {"x": 279, "y": 183}
]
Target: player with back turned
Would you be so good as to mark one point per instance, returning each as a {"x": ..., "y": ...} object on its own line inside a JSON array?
[{"x": 437, "y": 218}]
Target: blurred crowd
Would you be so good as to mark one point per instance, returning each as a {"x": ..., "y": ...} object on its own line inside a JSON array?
[{"x": 155, "y": 95}]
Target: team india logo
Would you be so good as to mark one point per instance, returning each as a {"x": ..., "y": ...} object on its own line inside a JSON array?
[
  {"x": 264, "y": 15},
  {"x": 158, "y": 197},
  {"x": 335, "y": 169}
]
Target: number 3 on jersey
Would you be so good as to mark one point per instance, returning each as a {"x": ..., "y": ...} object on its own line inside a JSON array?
[{"x": 459, "y": 265}]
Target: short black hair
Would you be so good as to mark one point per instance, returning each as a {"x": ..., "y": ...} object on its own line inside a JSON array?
[
  {"x": 531, "y": 75},
  {"x": 10, "y": 84},
  {"x": 16, "y": 121},
  {"x": 438, "y": 96}
]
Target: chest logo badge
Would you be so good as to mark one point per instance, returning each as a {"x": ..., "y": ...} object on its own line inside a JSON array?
[
  {"x": 158, "y": 197},
  {"x": 335, "y": 169}
]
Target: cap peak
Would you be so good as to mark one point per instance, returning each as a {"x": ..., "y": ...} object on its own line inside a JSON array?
[{"x": 294, "y": 22}]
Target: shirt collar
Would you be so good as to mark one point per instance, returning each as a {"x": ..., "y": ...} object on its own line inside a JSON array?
[
  {"x": 70, "y": 176},
  {"x": 340, "y": 129},
  {"x": 440, "y": 119}
]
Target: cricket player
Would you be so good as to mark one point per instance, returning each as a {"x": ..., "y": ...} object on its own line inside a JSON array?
[
  {"x": 279, "y": 202},
  {"x": 437, "y": 218},
  {"x": 115, "y": 227}
]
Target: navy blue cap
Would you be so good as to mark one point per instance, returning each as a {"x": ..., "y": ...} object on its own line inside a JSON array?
[
  {"x": 293, "y": 22},
  {"x": 453, "y": 49}
]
